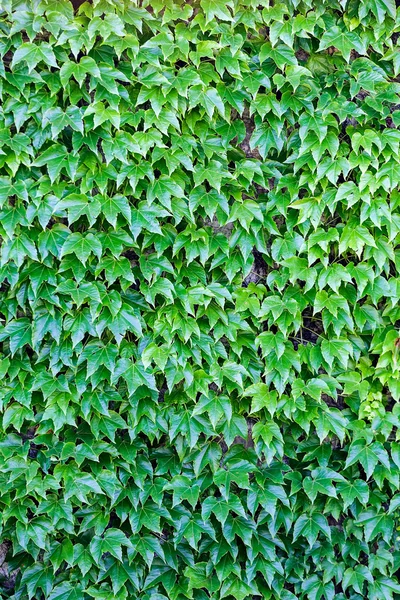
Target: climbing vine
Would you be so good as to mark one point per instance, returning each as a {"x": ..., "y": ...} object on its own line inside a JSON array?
[{"x": 199, "y": 307}]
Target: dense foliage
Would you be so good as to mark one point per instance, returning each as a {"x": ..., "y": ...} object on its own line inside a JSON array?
[{"x": 200, "y": 352}]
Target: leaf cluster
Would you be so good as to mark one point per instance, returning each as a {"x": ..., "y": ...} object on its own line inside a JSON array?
[{"x": 199, "y": 308}]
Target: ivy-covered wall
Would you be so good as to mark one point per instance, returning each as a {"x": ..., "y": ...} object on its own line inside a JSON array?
[{"x": 199, "y": 302}]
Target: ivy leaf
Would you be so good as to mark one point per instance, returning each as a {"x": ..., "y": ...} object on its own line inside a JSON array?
[
  {"x": 376, "y": 524},
  {"x": 282, "y": 55},
  {"x": 216, "y": 8},
  {"x": 343, "y": 40},
  {"x": 350, "y": 490},
  {"x": 112, "y": 541},
  {"x": 367, "y": 455},
  {"x": 66, "y": 591},
  {"x": 82, "y": 246},
  {"x": 19, "y": 332},
  {"x": 309, "y": 526},
  {"x": 33, "y": 54}
]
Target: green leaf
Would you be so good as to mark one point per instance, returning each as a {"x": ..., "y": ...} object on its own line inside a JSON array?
[
  {"x": 216, "y": 8},
  {"x": 112, "y": 541},
  {"x": 342, "y": 39},
  {"x": 33, "y": 54},
  {"x": 367, "y": 455},
  {"x": 309, "y": 526},
  {"x": 82, "y": 246}
]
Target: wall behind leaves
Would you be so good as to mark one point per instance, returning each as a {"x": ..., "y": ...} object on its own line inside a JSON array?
[{"x": 199, "y": 308}]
